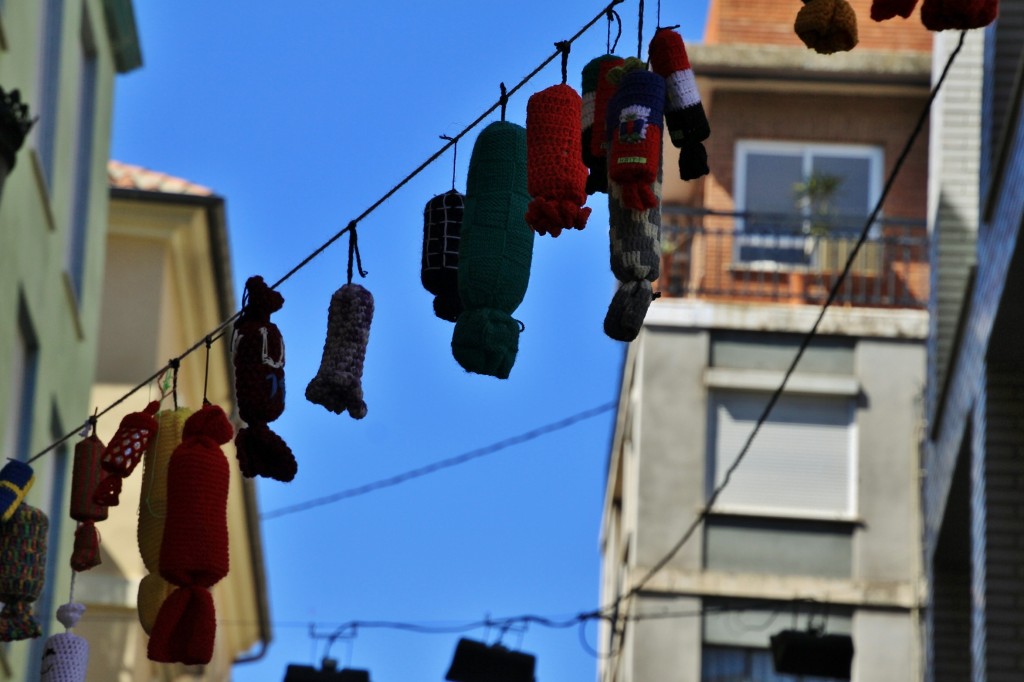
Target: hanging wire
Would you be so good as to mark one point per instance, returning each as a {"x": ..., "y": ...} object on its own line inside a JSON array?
[
  {"x": 658, "y": 25},
  {"x": 455, "y": 155},
  {"x": 439, "y": 465},
  {"x": 504, "y": 100}
]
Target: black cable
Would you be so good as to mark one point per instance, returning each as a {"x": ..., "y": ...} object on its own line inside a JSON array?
[
  {"x": 439, "y": 465},
  {"x": 217, "y": 332}
]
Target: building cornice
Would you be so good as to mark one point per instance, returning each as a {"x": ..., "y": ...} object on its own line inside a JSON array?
[{"x": 737, "y": 62}]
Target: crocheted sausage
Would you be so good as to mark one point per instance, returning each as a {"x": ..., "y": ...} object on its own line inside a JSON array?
[
  {"x": 556, "y": 176},
  {"x": 887, "y": 9},
  {"x": 942, "y": 15},
  {"x": 684, "y": 114},
  {"x": 634, "y": 130},
  {"x": 496, "y": 252},
  {"x": 439, "y": 272},
  {"x": 827, "y": 26},
  {"x": 635, "y": 262},
  {"x": 194, "y": 550},
  {"x": 16, "y": 478},
  {"x": 124, "y": 452},
  {"x": 597, "y": 92},
  {"x": 153, "y": 589},
  {"x": 22, "y": 571},
  {"x": 338, "y": 383},
  {"x": 85, "y": 477},
  {"x": 259, "y": 385},
  {"x": 66, "y": 655}
]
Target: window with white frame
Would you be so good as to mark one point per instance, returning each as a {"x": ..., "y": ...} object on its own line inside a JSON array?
[
  {"x": 801, "y": 464},
  {"x": 791, "y": 190}
]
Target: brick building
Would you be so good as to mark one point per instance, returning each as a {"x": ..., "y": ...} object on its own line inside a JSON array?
[{"x": 820, "y": 525}]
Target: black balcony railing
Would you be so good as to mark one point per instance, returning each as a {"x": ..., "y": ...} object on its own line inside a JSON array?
[{"x": 792, "y": 259}]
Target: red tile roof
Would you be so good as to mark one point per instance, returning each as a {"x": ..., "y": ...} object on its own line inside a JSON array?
[{"x": 126, "y": 176}]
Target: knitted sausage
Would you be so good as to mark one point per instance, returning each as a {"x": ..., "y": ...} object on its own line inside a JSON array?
[
  {"x": 684, "y": 114},
  {"x": 194, "y": 550},
  {"x": 556, "y": 176},
  {"x": 439, "y": 272},
  {"x": 496, "y": 252},
  {"x": 941, "y": 15},
  {"x": 22, "y": 571},
  {"x": 634, "y": 133},
  {"x": 887, "y": 9},
  {"x": 124, "y": 452},
  {"x": 85, "y": 476},
  {"x": 153, "y": 589},
  {"x": 259, "y": 385},
  {"x": 827, "y": 26},
  {"x": 597, "y": 92},
  {"x": 66, "y": 655},
  {"x": 635, "y": 262},
  {"x": 16, "y": 478},
  {"x": 338, "y": 383}
]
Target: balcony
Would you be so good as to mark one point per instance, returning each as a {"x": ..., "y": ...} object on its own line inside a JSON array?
[{"x": 751, "y": 258}]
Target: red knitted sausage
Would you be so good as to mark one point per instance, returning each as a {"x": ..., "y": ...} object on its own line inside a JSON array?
[
  {"x": 194, "y": 552},
  {"x": 124, "y": 452},
  {"x": 85, "y": 477},
  {"x": 556, "y": 176}
]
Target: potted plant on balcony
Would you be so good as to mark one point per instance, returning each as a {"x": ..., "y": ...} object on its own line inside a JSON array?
[{"x": 15, "y": 122}]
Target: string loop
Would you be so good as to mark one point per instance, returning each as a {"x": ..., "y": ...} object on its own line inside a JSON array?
[
  {"x": 455, "y": 154},
  {"x": 174, "y": 364},
  {"x": 206, "y": 375},
  {"x": 564, "y": 46},
  {"x": 612, "y": 14},
  {"x": 640, "y": 32},
  {"x": 353, "y": 252},
  {"x": 504, "y": 100}
]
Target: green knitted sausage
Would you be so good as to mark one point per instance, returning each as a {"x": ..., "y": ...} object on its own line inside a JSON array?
[{"x": 495, "y": 252}]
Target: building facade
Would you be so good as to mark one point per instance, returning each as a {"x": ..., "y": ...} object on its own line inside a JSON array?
[
  {"x": 63, "y": 57},
  {"x": 819, "y": 526},
  {"x": 974, "y": 472}
]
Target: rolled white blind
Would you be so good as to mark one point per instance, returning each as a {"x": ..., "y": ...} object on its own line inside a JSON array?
[{"x": 801, "y": 462}]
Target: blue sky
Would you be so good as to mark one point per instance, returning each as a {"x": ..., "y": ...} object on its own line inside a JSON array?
[{"x": 302, "y": 115}]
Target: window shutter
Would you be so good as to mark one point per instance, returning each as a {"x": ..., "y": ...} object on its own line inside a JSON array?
[{"x": 799, "y": 463}]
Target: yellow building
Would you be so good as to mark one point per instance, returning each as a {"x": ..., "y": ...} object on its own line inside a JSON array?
[{"x": 167, "y": 283}]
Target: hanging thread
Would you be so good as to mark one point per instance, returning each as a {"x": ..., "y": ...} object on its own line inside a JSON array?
[
  {"x": 564, "y": 47},
  {"x": 206, "y": 374},
  {"x": 353, "y": 252},
  {"x": 640, "y": 32},
  {"x": 659, "y": 14},
  {"x": 503, "y": 100},
  {"x": 609, "y": 45},
  {"x": 174, "y": 364},
  {"x": 455, "y": 154}
]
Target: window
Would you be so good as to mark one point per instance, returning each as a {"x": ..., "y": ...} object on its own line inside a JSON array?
[
  {"x": 793, "y": 190},
  {"x": 83, "y": 146},
  {"x": 742, "y": 664},
  {"x": 801, "y": 464},
  {"x": 52, "y": 23},
  {"x": 18, "y": 429}
]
